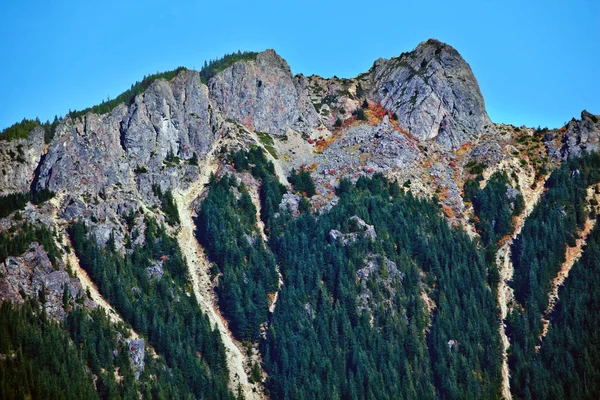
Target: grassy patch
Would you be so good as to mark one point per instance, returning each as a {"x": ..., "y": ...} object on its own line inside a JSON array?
[{"x": 268, "y": 143}]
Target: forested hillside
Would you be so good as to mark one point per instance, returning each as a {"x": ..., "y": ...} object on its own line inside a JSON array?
[
  {"x": 538, "y": 254},
  {"x": 352, "y": 319},
  {"x": 227, "y": 229},
  {"x": 568, "y": 362},
  {"x": 157, "y": 306}
]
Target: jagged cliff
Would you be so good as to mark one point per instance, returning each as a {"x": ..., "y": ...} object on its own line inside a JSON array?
[{"x": 431, "y": 91}]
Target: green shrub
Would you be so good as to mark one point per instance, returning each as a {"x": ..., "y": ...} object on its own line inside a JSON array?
[
  {"x": 475, "y": 168},
  {"x": 12, "y": 202},
  {"x": 360, "y": 114},
  {"x": 140, "y": 170},
  {"x": 302, "y": 182},
  {"x": 128, "y": 96}
]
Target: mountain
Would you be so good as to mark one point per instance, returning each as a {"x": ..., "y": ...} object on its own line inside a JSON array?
[{"x": 241, "y": 230}]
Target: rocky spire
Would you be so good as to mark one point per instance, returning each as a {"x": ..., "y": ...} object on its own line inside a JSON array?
[{"x": 434, "y": 93}]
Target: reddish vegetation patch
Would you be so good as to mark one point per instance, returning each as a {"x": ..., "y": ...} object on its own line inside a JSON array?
[
  {"x": 380, "y": 112},
  {"x": 374, "y": 115}
]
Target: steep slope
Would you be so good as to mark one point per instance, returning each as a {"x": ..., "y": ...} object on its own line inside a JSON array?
[
  {"x": 263, "y": 95},
  {"x": 506, "y": 270},
  {"x": 199, "y": 267},
  {"x": 573, "y": 253}
]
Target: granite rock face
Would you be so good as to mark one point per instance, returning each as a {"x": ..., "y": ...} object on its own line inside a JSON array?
[
  {"x": 86, "y": 155},
  {"x": 263, "y": 95},
  {"x": 27, "y": 275},
  {"x": 18, "y": 161},
  {"x": 579, "y": 137},
  {"x": 136, "y": 355},
  {"x": 169, "y": 117},
  {"x": 138, "y": 144},
  {"x": 433, "y": 92}
]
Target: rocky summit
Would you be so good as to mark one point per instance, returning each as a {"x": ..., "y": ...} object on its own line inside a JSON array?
[
  {"x": 244, "y": 232},
  {"x": 434, "y": 93}
]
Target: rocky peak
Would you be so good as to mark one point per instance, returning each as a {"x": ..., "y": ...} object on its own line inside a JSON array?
[
  {"x": 574, "y": 139},
  {"x": 434, "y": 93},
  {"x": 263, "y": 95}
]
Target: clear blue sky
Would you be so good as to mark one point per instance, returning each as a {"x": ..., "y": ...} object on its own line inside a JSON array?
[{"x": 537, "y": 62}]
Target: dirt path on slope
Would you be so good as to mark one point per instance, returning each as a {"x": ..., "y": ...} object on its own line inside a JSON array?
[
  {"x": 199, "y": 266},
  {"x": 88, "y": 284},
  {"x": 504, "y": 263},
  {"x": 71, "y": 259},
  {"x": 253, "y": 191},
  {"x": 572, "y": 255}
]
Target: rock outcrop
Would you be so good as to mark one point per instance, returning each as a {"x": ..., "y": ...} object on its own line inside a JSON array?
[
  {"x": 359, "y": 228},
  {"x": 263, "y": 95},
  {"x": 433, "y": 92},
  {"x": 32, "y": 273},
  {"x": 86, "y": 155},
  {"x": 169, "y": 117},
  {"x": 18, "y": 161},
  {"x": 142, "y": 144},
  {"x": 137, "y": 348},
  {"x": 576, "y": 138}
]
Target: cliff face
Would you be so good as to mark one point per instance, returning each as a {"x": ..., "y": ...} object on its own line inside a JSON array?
[
  {"x": 170, "y": 117},
  {"x": 434, "y": 93},
  {"x": 19, "y": 160},
  {"x": 263, "y": 96},
  {"x": 125, "y": 153}
]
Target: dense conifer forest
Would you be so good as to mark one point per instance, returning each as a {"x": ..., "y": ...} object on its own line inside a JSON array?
[
  {"x": 227, "y": 229},
  {"x": 537, "y": 255},
  {"x": 323, "y": 342},
  {"x": 352, "y": 318},
  {"x": 31, "y": 366},
  {"x": 160, "y": 308},
  {"x": 567, "y": 365}
]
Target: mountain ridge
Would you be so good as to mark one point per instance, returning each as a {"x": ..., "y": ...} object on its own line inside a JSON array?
[{"x": 413, "y": 126}]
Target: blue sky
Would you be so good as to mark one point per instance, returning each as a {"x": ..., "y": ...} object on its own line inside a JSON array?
[{"x": 537, "y": 62}]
